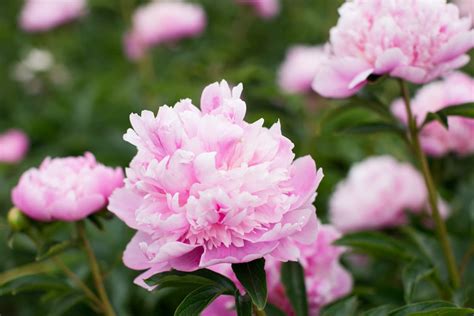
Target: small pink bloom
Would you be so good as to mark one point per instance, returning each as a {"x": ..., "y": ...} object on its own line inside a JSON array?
[
  {"x": 299, "y": 68},
  {"x": 265, "y": 8},
  {"x": 162, "y": 21},
  {"x": 66, "y": 189},
  {"x": 376, "y": 194},
  {"x": 326, "y": 279},
  {"x": 435, "y": 139},
  {"x": 13, "y": 146},
  {"x": 416, "y": 40},
  {"x": 206, "y": 187},
  {"x": 43, "y": 15}
]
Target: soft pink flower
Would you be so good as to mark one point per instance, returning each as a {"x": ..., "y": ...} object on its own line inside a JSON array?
[
  {"x": 435, "y": 139},
  {"x": 162, "y": 21},
  {"x": 66, "y": 189},
  {"x": 43, "y": 15},
  {"x": 325, "y": 278},
  {"x": 265, "y": 8},
  {"x": 206, "y": 187},
  {"x": 299, "y": 68},
  {"x": 376, "y": 194},
  {"x": 466, "y": 7},
  {"x": 13, "y": 146},
  {"x": 416, "y": 40}
]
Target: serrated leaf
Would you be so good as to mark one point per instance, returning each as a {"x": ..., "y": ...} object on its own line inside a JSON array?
[
  {"x": 413, "y": 273},
  {"x": 252, "y": 277},
  {"x": 420, "y": 307},
  {"x": 345, "y": 306},
  {"x": 375, "y": 243},
  {"x": 446, "y": 311},
  {"x": 292, "y": 277},
  {"x": 196, "y": 278},
  {"x": 243, "y": 304},
  {"x": 196, "y": 301}
]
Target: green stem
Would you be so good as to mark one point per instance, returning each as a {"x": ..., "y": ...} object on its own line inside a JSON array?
[
  {"x": 258, "y": 312},
  {"x": 74, "y": 278},
  {"x": 432, "y": 193},
  {"x": 97, "y": 276}
]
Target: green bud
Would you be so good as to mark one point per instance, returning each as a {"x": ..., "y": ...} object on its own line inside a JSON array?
[{"x": 17, "y": 220}]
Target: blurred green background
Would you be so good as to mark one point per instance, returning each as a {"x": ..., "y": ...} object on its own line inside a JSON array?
[{"x": 85, "y": 104}]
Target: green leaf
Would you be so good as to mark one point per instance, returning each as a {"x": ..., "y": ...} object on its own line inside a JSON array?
[
  {"x": 196, "y": 278},
  {"x": 378, "y": 311},
  {"x": 272, "y": 310},
  {"x": 55, "y": 248},
  {"x": 66, "y": 303},
  {"x": 196, "y": 301},
  {"x": 252, "y": 277},
  {"x": 413, "y": 273},
  {"x": 292, "y": 276},
  {"x": 32, "y": 283},
  {"x": 375, "y": 243},
  {"x": 447, "y": 311},
  {"x": 345, "y": 306},
  {"x": 464, "y": 110},
  {"x": 243, "y": 304},
  {"x": 420, "y": 307},
  {"x": 374, "y": 127}
]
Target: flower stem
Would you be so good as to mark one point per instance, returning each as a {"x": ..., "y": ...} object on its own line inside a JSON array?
[
  {"x": 432, "y": 193},
  {"x": 97, "y": 276},
  {"x": 74, "y": 278}
]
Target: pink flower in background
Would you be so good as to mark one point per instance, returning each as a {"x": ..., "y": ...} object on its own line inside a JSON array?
[
  {"x": 376, "y": 194},
  {"x": 416, "y": 40},
  {"x": 466, "y": 7},
  {"x": 299, "y": 68},
  {"x": 265, "y": 8},
  {"x": 13, "y": 146},
  {"x": 435, "y": 139},
  {"x": 43, "y": 15},
  {"x": 66, "y": 189},
  {"x": 206, "y": 187},
  {"x": 325, "y": 278},
  {"x": 162, "y": 21}
]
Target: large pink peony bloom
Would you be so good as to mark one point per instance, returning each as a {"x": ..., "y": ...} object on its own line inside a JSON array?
[
  {"x": 206, "y": 187},
  {"x": 13, "y": 146},
  {"x": 265, "y": 8},
  {"x": 43, "y": 15},
  {"x": 163, "y": 21},
  {"x": 299, "y": 68},
  {"x": 376, "y": 194},
  {"x": 416, "y": 40},
  {"x": 435, "y": 139},
  {"x": 66, "y": 189},
  {"x": 325, "y": 278}
]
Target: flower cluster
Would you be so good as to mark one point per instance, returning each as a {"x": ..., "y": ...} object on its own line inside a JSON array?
[
  {"x": 66, "y": 189},
  {"x": 163, "y": 21},
  {"x": 206, "y": 187},
  {"x": 13, "y": 146},
  {"x": 376, "y": 194},
  {"x": 416, "y": 40},
  {"x": 326, "y": 279},
  {"x": 299, "y": 68},
  {"x": 43, "y": 15},
  {"x": 436, "y": 139}
]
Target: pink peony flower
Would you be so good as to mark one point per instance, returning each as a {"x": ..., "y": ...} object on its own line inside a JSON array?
[
  {"x": 163, "y": 21},
  {"x": 13, "y": 146},
  {"x": 325, "y": 278},
  {"x": 265, "y": 8},
  {"x": 435, "y": 139},
  {"x": 376, "y": 194},
  {"x": 206, "y": 187},
  {"x": 466, "y": 8},
  {"x": 299, "y": 68},
  {"x": 416, "y": 40},
  {"x": 43, "y": 15},
  {"x": 66, "y": 189}
]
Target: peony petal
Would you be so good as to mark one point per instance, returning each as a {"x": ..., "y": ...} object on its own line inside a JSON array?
[
  {"x": 458, "y": 45},
  {"x": 133, "y": 256},
  {"x": 232, "y": 254},
  {"x": 389, "y": 60},
  {"x": 304, "y": 180},
  {"x": 123, "y": 203}
]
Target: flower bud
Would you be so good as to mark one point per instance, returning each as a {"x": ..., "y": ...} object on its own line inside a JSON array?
[{"x": 17, "y": 220}]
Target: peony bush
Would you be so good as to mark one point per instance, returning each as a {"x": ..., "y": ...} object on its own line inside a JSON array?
[{"x": 212, "y": 207}]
